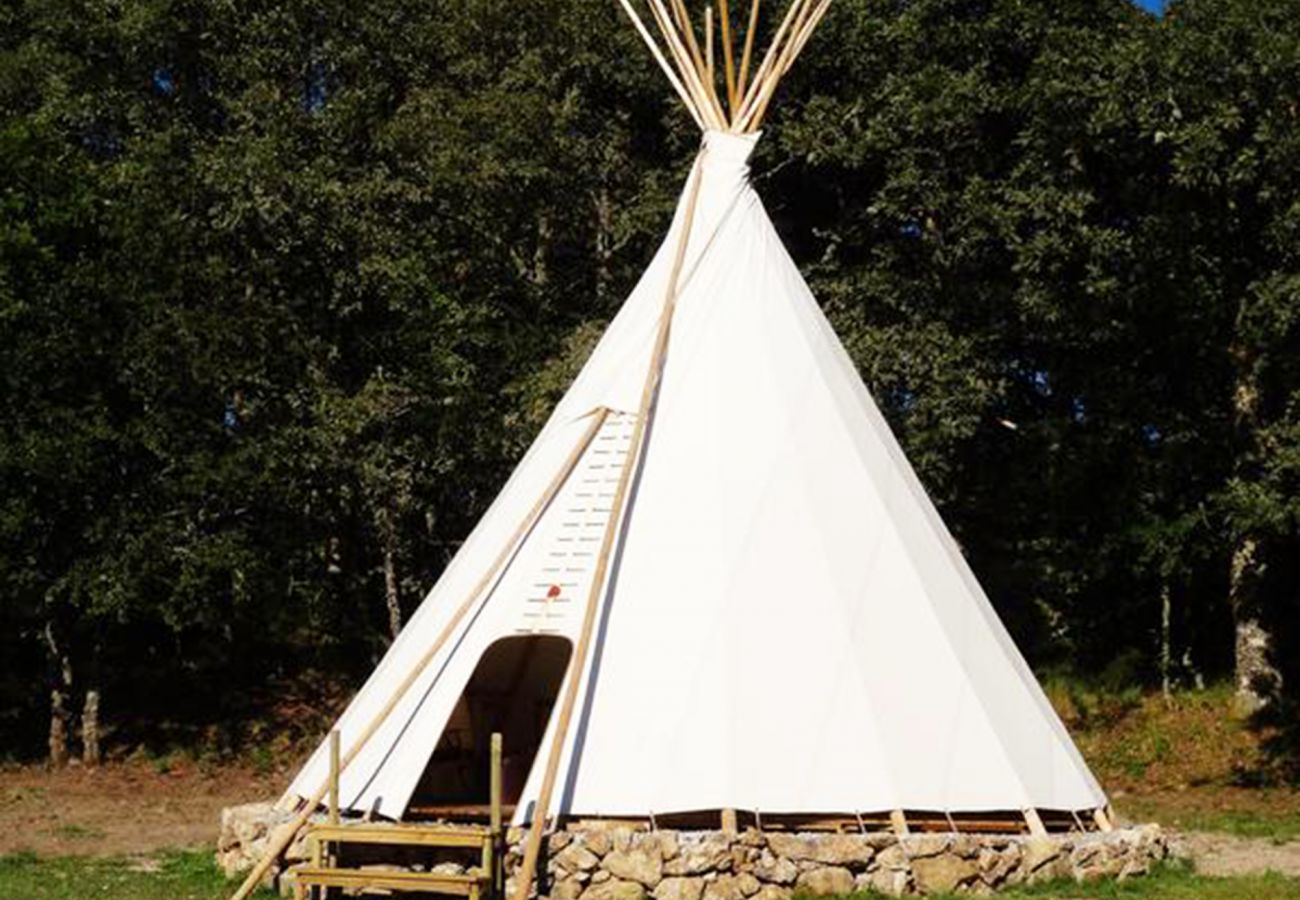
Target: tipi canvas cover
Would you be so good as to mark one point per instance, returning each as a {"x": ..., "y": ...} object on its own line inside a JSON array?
[
  {"x": 786, "y": 625},
  {"x": 719, "y": 556}
]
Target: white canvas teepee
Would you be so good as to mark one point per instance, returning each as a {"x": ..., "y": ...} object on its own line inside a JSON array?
[{"x": 766, "y": 611}]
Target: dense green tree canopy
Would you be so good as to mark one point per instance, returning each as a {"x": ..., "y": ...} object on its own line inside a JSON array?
[{"x": 286, "y": 288}]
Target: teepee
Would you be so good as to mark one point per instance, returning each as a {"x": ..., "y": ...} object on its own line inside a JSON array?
[{"x": 714, "y": 583}]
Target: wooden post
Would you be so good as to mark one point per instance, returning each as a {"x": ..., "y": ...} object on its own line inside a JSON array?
[
  {"x": 728, "y": 55},
  {"x": 496, "y": 779},
  {"x": 745, "y": 56},
  {"x": 663, "y": 63},
  {"x": 578, "y": 662},
  {"x": 1035, "y": 823},
  {"x": 334, "y": 777},
  {"x": 494, "y": 800},
  {"x": 729, "y": 823},
  {"x": 1103, "y": 821},
  {"x": 276, "y": 847},
  {"x": 899, "y": 821}
]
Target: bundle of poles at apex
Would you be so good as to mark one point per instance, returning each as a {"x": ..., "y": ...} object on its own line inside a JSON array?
[{"x": 692, "y": 69}]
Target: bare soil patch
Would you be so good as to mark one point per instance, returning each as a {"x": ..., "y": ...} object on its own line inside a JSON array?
[
  {"x": 1227, "y": 855},
  {"x": 120, "y": 808}
]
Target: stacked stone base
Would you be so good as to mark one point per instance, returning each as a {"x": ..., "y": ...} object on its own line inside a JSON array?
[
  {"x": 620, "y": 864},
  {"x": 608, "y": 861}
]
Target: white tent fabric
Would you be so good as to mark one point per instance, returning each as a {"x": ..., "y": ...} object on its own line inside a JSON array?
[{"x": 788, "y": 626}]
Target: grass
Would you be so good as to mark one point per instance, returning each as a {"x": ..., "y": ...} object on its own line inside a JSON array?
[{"x": 189, "y": 875}]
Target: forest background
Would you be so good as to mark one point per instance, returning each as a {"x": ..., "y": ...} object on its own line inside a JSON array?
[{"x": 287, "y": 288}]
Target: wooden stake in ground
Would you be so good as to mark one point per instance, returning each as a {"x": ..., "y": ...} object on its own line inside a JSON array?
[
  {"x": 286, "y": 835},
  {"x": 577, "y": 663}
]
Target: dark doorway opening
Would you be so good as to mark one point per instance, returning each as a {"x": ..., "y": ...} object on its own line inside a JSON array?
[{"x": 513, "y": 690}]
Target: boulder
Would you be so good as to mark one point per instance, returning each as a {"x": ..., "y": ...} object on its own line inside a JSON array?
[
  {"x": 831, "y": 849},
  {"x": 775, "y": 869},
  {"x": 614, "y": 889},
  {"x": 577, "y": 858},
  {"x": 942, "y": 874},
  {"x": 697, "y": 854},
  {"x": 675, "y": 888},
  {"x": 643, "y": 865},
  {"x": 826, "y": 880},
  {"x": 724, "y": 887}
]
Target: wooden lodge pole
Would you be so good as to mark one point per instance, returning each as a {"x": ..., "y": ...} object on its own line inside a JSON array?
[
  {"x": 728, "y": 55},
  {"x": 577, "y": 664},
  {"x": 745, "y": 56},
  {"x": 1035, "y": 822},
  {"x": 898, "y": 820},
  {"x": 286, "y": 835},
  {"x": 334, "y": 777}
]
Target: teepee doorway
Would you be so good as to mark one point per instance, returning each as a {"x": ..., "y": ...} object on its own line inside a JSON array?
[{"x": 512, "y": 691}]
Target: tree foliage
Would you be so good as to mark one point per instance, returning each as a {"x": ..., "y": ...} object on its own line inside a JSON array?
[{"x": 286, "y": 288}]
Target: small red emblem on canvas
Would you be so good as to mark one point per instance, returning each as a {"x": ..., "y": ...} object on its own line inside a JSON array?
[{"x": 553, "y": 592}]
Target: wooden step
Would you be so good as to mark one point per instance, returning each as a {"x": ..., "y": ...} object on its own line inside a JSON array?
[
  {"x": 306, "y": 877},
  {"x": 407, "y": 835}
]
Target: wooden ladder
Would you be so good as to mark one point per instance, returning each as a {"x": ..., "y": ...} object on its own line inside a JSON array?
[{"x": 326, "y": 840}]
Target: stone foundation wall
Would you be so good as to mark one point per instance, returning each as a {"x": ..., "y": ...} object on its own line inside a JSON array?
[
  {"x": 606, "y": 861},
  {"x": 621, "y": 864}
]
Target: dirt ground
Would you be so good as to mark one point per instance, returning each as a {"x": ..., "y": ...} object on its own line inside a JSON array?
[
  {"x": 1226, "y": 855},
  {"x": 120, "y": 808},
  {"x": 132, "y": 808}
]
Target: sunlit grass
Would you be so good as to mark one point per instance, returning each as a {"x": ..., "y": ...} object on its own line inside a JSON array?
[{"x": 190, "y": 875}]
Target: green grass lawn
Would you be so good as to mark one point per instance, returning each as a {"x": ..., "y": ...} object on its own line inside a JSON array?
[{"x": 192, "y": 876}]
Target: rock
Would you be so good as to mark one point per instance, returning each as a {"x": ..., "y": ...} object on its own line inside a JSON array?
[
  {"x": 772, "y": 892},
  {"x": 600, "y": 876},
  {"x": 597, "y": 842},
  {"x": 748, "y": 884},
  {"x": 724, "y": 887},
  {"x": 776, "y": 870},
  {"x": 832, "y": 849},
  {"x": 1038, "y": 852},
  {"x": 890, "y": 882},
  {"x": 996, "y": 865},
  {"x": 942, "y": 874},
  {"x": 641, "y": 865},
  {"x": 558, "y": 841},
  {"x": 892, "y": 858},
  {"x": 679, "y": 889},
  {"x": 699, "y": 854},
  {"x": 1136, "y": 866},
  {"x": 613, "y": 889},
  {"x": 922, "y": 846},
  {"x": 577, "y": 858},
  {"x": 826, "y": 880},
  {"x": 621, "y": 838},
  {"x": 566, "y": 889},
  {"x": 662, "y": 842}
]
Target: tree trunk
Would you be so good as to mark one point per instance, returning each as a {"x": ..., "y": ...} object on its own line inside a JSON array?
[
  {"x": 604, "y": 241},
  {"x": 1166, "y": 642},
  {"x": 541, "y": 271},
  {"x": 60, "y": 718},
  {"x": 391, "y": 593},
  {"x": 90, "y": 729},
  {"x": 1255, "y": 674},
  {"x": 58, "y": 730}
]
